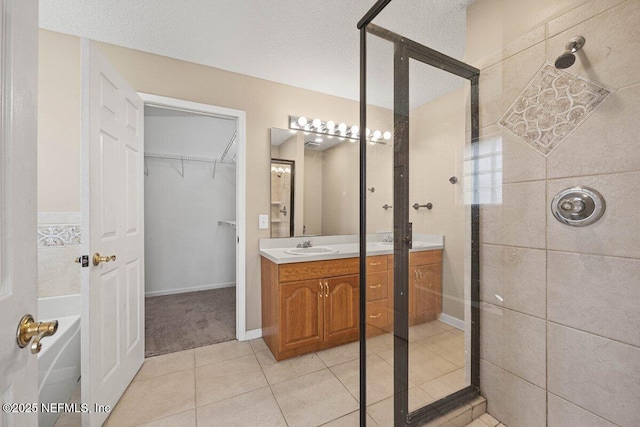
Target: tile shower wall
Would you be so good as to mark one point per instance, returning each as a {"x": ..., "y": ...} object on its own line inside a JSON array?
[
  {"x": 560, "y": 340},
  {"x": 58, "y": 247}
]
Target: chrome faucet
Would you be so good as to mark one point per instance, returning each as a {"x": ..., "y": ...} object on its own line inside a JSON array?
[
  {"x": 388, "y": 238},
  {"x": 304, "y": 244}
]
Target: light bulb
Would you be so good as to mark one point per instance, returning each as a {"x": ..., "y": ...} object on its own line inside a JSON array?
[
  {"x": 354, "y": 130},
  {"x": 387, "y": 135},
  {"x": 342, "y": 127},
  {"x": 302, "y": 121},
  {"x": 377, "y": 134},
  {"x": 331, "y": 125},
  {"x": 318, "y": 140},
  {"x": 316, "y": 123}
]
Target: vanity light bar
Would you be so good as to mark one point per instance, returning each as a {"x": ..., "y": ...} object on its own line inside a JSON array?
[{"x": 341, "y": 130}]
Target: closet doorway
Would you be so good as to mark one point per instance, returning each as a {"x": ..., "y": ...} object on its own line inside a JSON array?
[{"x": 191, "y": 226}]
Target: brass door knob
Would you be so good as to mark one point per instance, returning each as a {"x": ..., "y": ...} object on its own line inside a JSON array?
[
  {"x": 28, "y": 328},
  {"x": 97, "y": 259}
]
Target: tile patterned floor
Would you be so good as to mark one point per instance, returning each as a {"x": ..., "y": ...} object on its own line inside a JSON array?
[{"x": 240, "y": 384}]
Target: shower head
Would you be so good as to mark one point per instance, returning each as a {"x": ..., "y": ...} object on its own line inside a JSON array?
[{"x": 568, "y": 58}]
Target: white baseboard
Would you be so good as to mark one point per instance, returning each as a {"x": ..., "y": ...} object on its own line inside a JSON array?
[
  {"x": 253, "y": 334},
  {"x": 453, "y": 321},
  {"x": 192, "y": 289}
]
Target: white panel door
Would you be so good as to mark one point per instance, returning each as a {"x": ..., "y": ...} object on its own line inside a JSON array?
[
  {"x": 112, "y": 211},
  {"x": 18, "y": 252}
]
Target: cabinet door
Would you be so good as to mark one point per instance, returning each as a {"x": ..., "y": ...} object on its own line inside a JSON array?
[
  {"x": 301, "y": 314},
  {"x": 342, "y": 309},
  {"x": 425, "y": 293}
]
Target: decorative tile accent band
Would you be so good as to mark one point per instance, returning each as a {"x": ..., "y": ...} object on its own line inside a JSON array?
[
  {"x": 59, "y": 235},
  {"x": 551, "y": 106}
]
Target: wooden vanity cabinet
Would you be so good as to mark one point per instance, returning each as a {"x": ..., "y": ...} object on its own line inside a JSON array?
[
  {"x": 310, "y": 306},
  {"x": 425, "y": 286},
  {"x": 318, "y": 312}
]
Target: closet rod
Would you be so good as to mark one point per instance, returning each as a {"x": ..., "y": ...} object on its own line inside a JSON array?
[{"x": 184, "y": 158}]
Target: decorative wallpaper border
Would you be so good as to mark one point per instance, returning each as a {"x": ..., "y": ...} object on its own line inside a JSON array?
[
  {"x": 552, "y": 106},
  {"x": 56, "y": 235}
]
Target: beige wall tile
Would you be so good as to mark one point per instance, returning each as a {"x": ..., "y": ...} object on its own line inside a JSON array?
[
  {"x": 525, "y": 347},
  {"x": 612, "y": 235},
  {"x": 493, "y": 24},
  {"x": 492, "y": 339},
  {"x": 500, "y": 84},
  {"x": 579, "y": 14},
  {"x": 563, "y": 413},
  {"x": 492, "y": 388},
  {"x": 520, "y": 161},
  {"x": 610, "y": 37},
  {"x": 256, "y": 408},
  {"x": 525, "y": 403},
  {"x": 599, "y": 375},
  {"x": 513, "y": 341},
  {"x": 58, "y": 274},
  {"x": 596, "y": 294},
  {"x": 510, "y": 399},
  {"x": 607, "y": 142},
  {"x": 519, "y": 220},
  {"x": 514, "y": 278}
]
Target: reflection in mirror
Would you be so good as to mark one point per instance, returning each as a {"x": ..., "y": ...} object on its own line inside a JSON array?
[
  {"x": 324, "y": 186},
  {"x": 282, "y": 203}
]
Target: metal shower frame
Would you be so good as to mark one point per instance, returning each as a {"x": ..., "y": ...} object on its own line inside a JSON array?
[{"x": 405, "y": 49}]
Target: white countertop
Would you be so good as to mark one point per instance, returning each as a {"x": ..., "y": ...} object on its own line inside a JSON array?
[{"x": 345, "y": 248}]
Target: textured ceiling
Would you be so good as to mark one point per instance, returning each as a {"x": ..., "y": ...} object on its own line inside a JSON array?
[{"x": 310, "y": 44}]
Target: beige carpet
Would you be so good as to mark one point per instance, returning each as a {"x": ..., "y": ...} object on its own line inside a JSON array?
[{"x": 183, "y": 321}]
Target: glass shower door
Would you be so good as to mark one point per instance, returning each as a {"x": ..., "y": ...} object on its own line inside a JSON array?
[{"x": 421, "y": 232}]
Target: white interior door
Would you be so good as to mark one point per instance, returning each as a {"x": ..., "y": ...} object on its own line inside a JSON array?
[
  {"x": 18, "y": 252},
  {"x": 112, "y": 211}
]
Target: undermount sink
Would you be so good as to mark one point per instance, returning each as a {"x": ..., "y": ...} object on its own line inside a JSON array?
[{"x": 314, "y": 250}]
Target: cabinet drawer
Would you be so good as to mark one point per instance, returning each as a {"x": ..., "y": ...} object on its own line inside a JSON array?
[
  {"x": 425, "y": 257},
  {"x": 377, "y": 314},
  {"x": 376, "y": 263},
  {"x": 318, "y": 269},
  {"x": 377, "y": 286}
]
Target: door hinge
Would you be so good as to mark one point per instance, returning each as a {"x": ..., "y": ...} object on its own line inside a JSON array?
[{"x": 83, "y": 260}]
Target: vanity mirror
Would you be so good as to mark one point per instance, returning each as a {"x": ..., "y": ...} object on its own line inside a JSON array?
[{"x": 321, "y": 197}]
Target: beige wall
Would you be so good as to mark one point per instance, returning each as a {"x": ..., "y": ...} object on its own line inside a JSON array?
[
  {"x": 437, "y": 135},
  {"x": 312, "y": 201},
  {"x": 58, "y": 123},
  {"x": 266, "y": 103},
  {"x": 559, "y": 313},
  {"x": 340, "y": 192}
]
